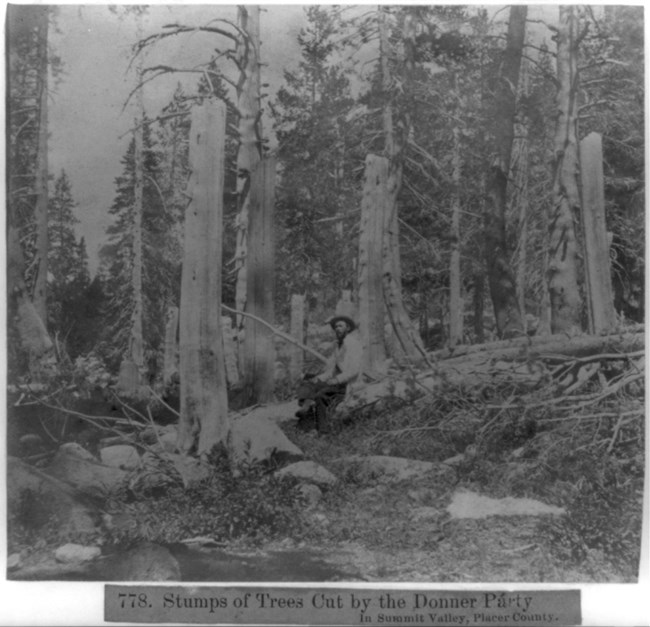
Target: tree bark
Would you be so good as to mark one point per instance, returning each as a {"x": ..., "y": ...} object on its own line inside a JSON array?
[
  {"x": 500, "y": 276},
  {"x": 455, "y": 296},
  {"x": 562, "y": 272},
  {"x": 132, "y": 367},
  {"x": 41, "y": 182},
  {"x": 259, "y": 351},
  {"x": 170, "y": 363},
  {"x": 250, "y": 134},
  {"x": 402, "y": 339},
  {"x": 371, "y": 307},
  {"x": 22, "y": 315},
  {"x": 296, "y": 329},
  {"x": 602, "y": 315},
  {"x": 204, "y": 397}
]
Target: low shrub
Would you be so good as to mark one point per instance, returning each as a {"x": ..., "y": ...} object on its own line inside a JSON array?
[{"x": 253, "y": 507}]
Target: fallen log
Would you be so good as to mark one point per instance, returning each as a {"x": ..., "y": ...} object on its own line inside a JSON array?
[
  {"x": 518, "y": 363},
  {"x": 537, "y": 344}
]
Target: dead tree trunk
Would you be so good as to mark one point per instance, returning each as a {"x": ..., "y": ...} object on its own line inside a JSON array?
[
  {"x": 371, "y": 307},
  {"x": 41, "y": 181},
  {"x": 230, "y": 351},
  {"x": 455, "y": 296},
  {"x": 259, "y": 352},
  {"x": 170, "y": 363},
  {"x": 297, "y": 325},
  {"x": 403, "y": 339},
  {"x": 250, "y": 148},
  {"x": 562, "y": 272},
  {"x": 520, "y": 172},
  {"x": 22, "y": 315},
  {"x": 497, "y": 254},
  {"x": 204, "y": 398},
  {"x": 602, "y": 315}
]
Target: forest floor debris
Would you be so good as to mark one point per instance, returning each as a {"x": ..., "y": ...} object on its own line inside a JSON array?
[{"x": 574, "y": 443}]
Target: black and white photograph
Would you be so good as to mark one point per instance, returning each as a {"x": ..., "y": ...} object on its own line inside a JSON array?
[{"x": 346, "y": 295}]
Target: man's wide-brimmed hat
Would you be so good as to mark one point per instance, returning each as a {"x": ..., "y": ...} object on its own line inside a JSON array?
[{"x": 334, "y": 319}]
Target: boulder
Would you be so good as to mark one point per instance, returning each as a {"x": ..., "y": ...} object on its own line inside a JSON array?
[
  {"x": 396, "y": 469},
  {"x": 120, "y": 456},
  {"x": 279, "y": 412},
  {"x": 309, "y": 472},
  {"x": 72, "y": 449},
  {"x": 162, "y": 439},
  {"x": 191, "y": 469},
  {"x": 76, "y": 553},
  {"x": 310, "y": 494},
  {"x": 257, "y": 440},
  {"x": 76, "y": 466},
  {"x": 35, "y": 497},
  {"x": 31, "y": 443},
  {"x": 420, "y": 514},
  {"x": 466, "y": 504},
  {"x": 14, "y": 561},
  {"x": 145, "y": 562}
]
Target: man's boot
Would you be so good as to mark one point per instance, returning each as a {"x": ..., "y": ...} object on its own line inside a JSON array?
[
  {"x": 306, "y": 415},
  {"x": 322, "y": 418}
]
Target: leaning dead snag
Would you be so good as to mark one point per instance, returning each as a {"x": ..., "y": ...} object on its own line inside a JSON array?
[{"x": 204, "y": 421}]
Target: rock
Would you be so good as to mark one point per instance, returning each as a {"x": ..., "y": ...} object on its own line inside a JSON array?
[
  {"x": 163, "y": 438},
  {"x": 191, "y": 469},
  {"x": 155, "y": 475},
  {"x": 396, "y": 469},
  {"x": 42, "y": 497},
  {"x": 30, "y": 443},
  {"x": 465, "y": 504},
  {"x": 256, "y": 440},
  {"x": 72, "y": 449},
  {"x": 14, "y": 561},
  {"x": 279, "y": 413},
  {"x": 308, "y": 471},
  {"x": 168, "y": 441},
  {"x": 76, "y": 553},
  {"x": 425, "y": 513},
  {"x": 145, "y": 562},
  {"x": 310, "y": 493},
  {"x": 319, "y": 519},
  {"x": 120, "y": 456},
  {"x": 76, "y": 466},
  {"x": 455, "y": 460}
]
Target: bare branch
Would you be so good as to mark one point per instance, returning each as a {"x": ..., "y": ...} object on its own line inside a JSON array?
[{"x": 282, "y": 334}]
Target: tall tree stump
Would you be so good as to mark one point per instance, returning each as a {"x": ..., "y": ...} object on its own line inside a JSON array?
[
  {"x": 602, "y": 315},
  {"x": 204, "y": 399},
  {"x": 371, "y": 304},
  {"x": 259, "y": 352}
]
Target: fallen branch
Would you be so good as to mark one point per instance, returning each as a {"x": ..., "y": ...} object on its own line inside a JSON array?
[{"x": 281, "y": 334}]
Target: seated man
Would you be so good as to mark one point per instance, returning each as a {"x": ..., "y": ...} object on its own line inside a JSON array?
[{"x": 322, "y": 393}]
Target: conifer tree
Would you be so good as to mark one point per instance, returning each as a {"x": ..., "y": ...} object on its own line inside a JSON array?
[{"x": 117, "y": 258}]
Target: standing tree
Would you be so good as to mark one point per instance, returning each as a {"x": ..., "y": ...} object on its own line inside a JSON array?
[
  {"x": 247, "y": 56},
  {"x": 158, "y": 267},
  {"x": 69, "y": 278},
  {"x": 562, "y": 272},
  {"x": 27, "y": 181},
  {"x": 41, "y": 183},
  {"x": 499, "y": 269}
]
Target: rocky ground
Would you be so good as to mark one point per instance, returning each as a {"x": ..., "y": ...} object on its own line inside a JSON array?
[{"x": 366, "y": 514}]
